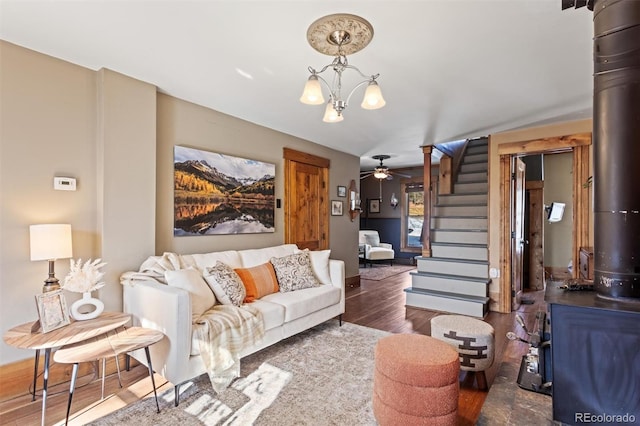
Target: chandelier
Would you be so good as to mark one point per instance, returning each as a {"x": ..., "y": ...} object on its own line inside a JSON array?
[{"x": 340, "y": 35}]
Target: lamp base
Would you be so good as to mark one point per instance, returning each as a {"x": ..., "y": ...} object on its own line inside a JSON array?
[{"x": 47, "y": 287}]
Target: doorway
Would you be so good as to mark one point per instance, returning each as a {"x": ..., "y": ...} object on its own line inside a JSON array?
[{"x": 578, "y": 145}]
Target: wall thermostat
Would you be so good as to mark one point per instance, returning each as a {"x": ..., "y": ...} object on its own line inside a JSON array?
[{"x": 64, "y": 183}]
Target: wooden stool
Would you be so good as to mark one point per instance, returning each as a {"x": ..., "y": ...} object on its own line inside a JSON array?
[
  {"x": 415, "y": 381},
  {"x": 472, "y": 338},
  {"x": 105, "y": 346}
]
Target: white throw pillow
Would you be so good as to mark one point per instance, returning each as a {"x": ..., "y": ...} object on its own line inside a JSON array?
[
  {"x": 320, "y": 264},
  {"x": 225, "y": 283},
  {"x": 191, "y": 280},
  {"x": 372, "y": 239}
]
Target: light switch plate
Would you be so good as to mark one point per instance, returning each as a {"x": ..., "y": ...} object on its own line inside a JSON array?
[{"x": 64, "y": 183}]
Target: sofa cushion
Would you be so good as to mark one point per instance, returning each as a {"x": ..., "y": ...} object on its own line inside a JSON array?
[
  {"x": 204, "y": 260},
  {"x": 272, "y": 315},
  {"x": 294, "y": 272},
  {"x": 255, "y": 257},
  {"x": 200, "y": 293},
  {"x": 297, "y": 304},
  {"x": 225, "y": 283},
  {"x": 258, "y": 281}
]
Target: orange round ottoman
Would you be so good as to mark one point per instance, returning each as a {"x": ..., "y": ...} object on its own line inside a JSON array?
[{"x": 415, "y": 381}]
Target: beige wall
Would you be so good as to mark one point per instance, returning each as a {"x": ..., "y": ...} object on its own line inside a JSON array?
[
  {"x": 190, "y": 125},
  {"x": 59, "y": 119},
  {"x": 568, "y": 128},
  {"x": 558, "y": 187}
]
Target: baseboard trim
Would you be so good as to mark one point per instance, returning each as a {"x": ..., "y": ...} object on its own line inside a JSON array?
[
  {"x": 17, "y": 377},
  {"x": 352, "y": 281}
]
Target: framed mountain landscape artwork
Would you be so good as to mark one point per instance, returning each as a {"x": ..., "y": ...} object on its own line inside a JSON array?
[{"x": 220, "y": 194}]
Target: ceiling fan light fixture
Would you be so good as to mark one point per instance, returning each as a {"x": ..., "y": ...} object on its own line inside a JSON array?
[
  {"x": 312, "y": 94},
  {"x": 340, "y": 35},
  {"x": 373, "y": 97},
  {"x": 380, "y": 173}
]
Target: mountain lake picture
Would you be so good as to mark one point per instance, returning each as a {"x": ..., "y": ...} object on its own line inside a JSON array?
[{"x": 221, "y": 194}]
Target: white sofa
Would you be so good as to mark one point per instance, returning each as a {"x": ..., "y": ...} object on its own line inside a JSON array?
[
  {"x": 374, "y": 250},
  {"x": 162, "y": 307}
]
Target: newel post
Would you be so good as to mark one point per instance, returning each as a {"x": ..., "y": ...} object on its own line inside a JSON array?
[{"x": 426, "y": 224}]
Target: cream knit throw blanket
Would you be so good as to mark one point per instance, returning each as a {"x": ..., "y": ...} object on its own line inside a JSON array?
[{"x": 224, "y": 332}]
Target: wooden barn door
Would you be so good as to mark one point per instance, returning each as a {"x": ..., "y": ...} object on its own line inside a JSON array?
[{"x": 306, "y": 200}]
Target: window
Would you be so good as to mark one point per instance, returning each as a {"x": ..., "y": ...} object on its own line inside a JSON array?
[{"x": 412, "y": 215}]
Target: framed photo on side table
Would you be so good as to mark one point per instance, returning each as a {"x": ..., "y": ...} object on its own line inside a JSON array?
[
  {"x": 336, "y": 208},
  {"x": 52, "y": 310},
  {"x": 374, "y": 205}
]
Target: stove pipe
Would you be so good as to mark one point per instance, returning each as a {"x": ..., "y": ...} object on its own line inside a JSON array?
[{"x": 616, "y": 146}]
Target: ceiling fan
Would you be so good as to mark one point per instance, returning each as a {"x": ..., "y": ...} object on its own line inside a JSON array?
[{"x": 381, "y": 172}]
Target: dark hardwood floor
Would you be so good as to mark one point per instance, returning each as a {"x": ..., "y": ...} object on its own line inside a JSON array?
[
  {"x": 376, "y": 304},
  {"x": 380, "y": 305}
]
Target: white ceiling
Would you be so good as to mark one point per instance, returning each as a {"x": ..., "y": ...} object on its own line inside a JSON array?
[{"x": 449, "y": 69}]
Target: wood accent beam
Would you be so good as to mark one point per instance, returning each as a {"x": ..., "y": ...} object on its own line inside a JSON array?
[
  {"x": 445, "y": 175},
  {"x": 546, "y": 145},
  {"x": 303, "y": 157},
  {"x": 426, "y": 224},
  {"x": 504, "y": 302},
  {"x": 581, "y": 203}
]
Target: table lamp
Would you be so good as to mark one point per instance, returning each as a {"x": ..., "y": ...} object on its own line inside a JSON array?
[{"x": 50, "y": 242}]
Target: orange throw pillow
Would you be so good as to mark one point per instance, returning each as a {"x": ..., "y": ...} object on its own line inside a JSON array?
[{"x": 258, "y": 281}]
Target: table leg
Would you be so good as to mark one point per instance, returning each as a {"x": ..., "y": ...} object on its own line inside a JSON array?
[
  {"x": 104, "y": 368},
  {"x": 153, "y": 382},
  {"x": 74, "y": 374},
  {"x": 47, "y": 357},
  {"x": 118, "y": 370},
  {"x": 35, "y": 374}
]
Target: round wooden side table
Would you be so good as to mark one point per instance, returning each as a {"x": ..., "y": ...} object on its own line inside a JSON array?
[{"x": 22, "y": 337}]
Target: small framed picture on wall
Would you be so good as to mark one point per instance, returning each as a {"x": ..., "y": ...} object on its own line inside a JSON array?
[
  {"x": 342, "y": 191},
  {"x": 336, "y": 208},
  {"x": 374, "y": 205}
]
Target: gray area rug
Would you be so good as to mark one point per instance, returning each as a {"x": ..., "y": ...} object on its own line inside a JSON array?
[
  {"x": 323, "y": 376},
  {"x": 381, "y": 271}
]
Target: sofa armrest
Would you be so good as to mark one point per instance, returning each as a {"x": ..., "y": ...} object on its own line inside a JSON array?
[
  {"x": 167, "y": 309},
  {"x": 386, "y": 245},
  {"x": 336, "y": 271}
]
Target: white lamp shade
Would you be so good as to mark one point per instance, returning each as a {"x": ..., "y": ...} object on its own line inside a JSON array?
[
  {"x": 373, "y": 97},
  {"x": 312, "y": 94},
  {"x": 50, "y": 242},
  {"x": 331, "y": 115}
]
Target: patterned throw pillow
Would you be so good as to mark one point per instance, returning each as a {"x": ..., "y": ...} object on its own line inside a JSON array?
[
  {"x": 258, "y": 281},
  {"x": 294, "y": 272},
  {"x": 225, "y": 283}
]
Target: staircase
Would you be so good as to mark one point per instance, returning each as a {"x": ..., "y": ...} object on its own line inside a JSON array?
[{"x": 456, "y": 278}]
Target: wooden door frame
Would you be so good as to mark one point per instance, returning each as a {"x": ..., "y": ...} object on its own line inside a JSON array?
[
  {"x": 290, "y": 156},
  {"x": 579, "y": 145}
]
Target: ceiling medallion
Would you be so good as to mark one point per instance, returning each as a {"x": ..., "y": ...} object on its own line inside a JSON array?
[{"x": 340, "y": 34}]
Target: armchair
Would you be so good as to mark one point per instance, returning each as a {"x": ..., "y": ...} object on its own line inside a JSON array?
[{"x": 374, "y": 250}]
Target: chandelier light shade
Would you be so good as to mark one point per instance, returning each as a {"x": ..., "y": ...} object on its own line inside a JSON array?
[
  {"x": 50, "y": 242},
  {"x": 340, "y": 35},
  {"x": 331, "y": 115}
]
